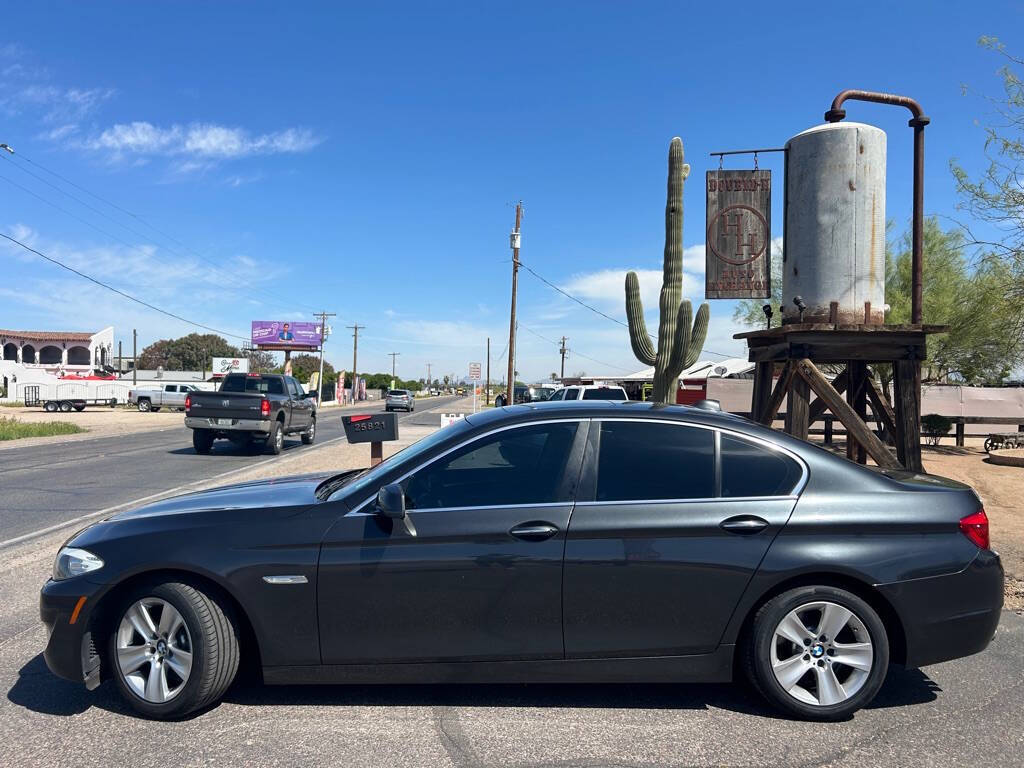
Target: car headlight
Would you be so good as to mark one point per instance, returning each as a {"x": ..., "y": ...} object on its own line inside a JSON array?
[{"x": 74, "y": 562}]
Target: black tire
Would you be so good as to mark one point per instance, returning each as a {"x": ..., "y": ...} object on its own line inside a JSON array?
[
  {"x": 50, "y": 407},
  {"x": 310, "y": 434},
  {"x": 155, "y": 408},
  {"x": 275, "y": 442},
  {"x": 758, "y": 648},
  {"x": 65, "y": 407},
  {"x": 387, "y": 408},
  {"x": 499, "y": 401},
  {"x": 202, "y": 440},
  {"x": 79, "y": 408},
  {"x": 143, "y": 405},
  {"x": 213, "y": 632},
  {"x": 990, "y": 444}
]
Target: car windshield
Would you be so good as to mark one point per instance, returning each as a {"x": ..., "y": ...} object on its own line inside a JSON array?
[
  {"x": 604, "y": 393},
  {"x": 370, "y": 477},
  {"x": 252, "y": 384}
]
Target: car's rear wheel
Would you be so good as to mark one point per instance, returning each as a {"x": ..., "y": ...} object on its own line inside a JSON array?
[
  {"x": 275, "y": 443},
  {"x": 202, "y": 440},
  {"x": 65, "y": 407},
  {"x": 143, "y": 405},
  {"x": 173, "y": 650},
  {"x": 310, "y": 434},
  {"x": 818, "y": 652}
]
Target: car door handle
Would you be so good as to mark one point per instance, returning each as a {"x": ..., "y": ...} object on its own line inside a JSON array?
[
  {"x": 744, "y": 524},
  {"x": 534, "y": 531}
]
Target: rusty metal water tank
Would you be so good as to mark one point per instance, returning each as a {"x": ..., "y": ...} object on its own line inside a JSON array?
[{"x": 835, "y": 224}]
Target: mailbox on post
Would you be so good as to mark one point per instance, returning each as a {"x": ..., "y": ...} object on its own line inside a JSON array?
[{"x": 372, "y": 428}]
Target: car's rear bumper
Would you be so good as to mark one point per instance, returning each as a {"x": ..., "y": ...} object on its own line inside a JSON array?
[
  {"x": 235, "y": 425},
  {"x": 70, "y": 650},
  {"x": 947, "y": 617}
]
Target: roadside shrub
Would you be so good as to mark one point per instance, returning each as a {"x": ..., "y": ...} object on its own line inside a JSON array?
[
  {"x": 934, "y": 427},
  {"x": 12, "y": 429}
]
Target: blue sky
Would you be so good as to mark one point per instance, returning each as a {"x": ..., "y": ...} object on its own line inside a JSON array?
[{"x": 366, "y": 160}]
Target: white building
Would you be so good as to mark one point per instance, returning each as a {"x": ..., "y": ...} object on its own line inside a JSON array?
[{"x": 44, "y": 358}]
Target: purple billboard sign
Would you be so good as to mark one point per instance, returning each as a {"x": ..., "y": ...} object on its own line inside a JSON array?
[{"x": 285, "y": 334}]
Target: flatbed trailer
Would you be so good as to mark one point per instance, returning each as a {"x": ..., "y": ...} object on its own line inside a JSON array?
[{"x": 66, "y": 404}]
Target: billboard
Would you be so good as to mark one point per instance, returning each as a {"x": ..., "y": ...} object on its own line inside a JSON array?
[
  {"x": 226, "y": 365},
  {"x": 284, "y": 333},
  {"x": 738, "y": 244}
]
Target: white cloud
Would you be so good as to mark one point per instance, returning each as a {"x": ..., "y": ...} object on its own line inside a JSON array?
[
  {"x": 57, "y": 104},
  {"x": 204, "y": 141}
]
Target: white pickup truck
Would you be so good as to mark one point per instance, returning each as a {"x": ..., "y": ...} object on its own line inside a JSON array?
[{"x": 168, "y": 396}]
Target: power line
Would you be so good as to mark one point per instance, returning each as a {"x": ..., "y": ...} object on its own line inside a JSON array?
[
  {"x": 579, "y": 354},
  {"x": 218, "y": 268},
  {"x": 595, "y": 310},
  {"x": 118, "y": 291}
]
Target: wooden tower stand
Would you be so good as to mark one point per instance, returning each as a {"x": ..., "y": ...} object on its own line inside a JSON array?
[{"x": 798, "y": 346}]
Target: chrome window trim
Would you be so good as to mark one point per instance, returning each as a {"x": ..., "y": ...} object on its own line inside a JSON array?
[
  {"x": 567, "y": 420},
  {"x": 702, "y": 500},
  {"x": 794, "y": 492}
]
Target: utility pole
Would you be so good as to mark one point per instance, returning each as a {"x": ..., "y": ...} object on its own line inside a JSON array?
[
  {"x": 487, "y": 391},
  {"x": 393, "y": 356},
  {"x": 120, "y": 360},
  {"x": 429, "y": 380},
  {"x": 135, "y": 356},
  {"x": 322, "y": 316},
  {"x": 514, "y": 242},
  {"x": 563, "y": 350},
  {"x": 355, "y": 348}
]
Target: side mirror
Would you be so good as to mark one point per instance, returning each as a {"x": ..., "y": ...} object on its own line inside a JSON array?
[
  {"x": 391, "y": 501},
  {"x": 310, "y": 395}
]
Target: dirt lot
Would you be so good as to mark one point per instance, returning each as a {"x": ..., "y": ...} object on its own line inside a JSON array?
[{"x": 100, "y": 422}]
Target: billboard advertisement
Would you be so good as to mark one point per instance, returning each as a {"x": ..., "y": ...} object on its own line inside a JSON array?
[
  {"x": 225, "y": 365},
  {"x": 284, "y": 333}
]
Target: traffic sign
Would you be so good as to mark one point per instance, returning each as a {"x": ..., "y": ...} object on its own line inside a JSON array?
[{"x": 474, "y": 371}]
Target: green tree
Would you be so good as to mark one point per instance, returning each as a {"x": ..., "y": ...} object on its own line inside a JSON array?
[
  {"x": 995, "y": 199},
  {"x": 260, "y": 360},
  {"x": 187, "y": 353},
  {"x": 984, "y": 342},
  {"x": 750, "y": 311}
]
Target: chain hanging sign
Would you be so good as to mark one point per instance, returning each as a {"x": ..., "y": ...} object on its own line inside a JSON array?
[{"x": 738, "y": 244}]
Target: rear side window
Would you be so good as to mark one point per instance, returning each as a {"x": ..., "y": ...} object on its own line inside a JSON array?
[
  {"x": 749, "y": 469},
  {"x": 641, "y": 460},
  {"x": 572, "y": 394},
  {"x": 604, "y": 393}
]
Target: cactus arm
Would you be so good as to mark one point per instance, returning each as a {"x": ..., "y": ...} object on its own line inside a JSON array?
[
  {"x": 681, "y": 345},
  {"x": 698, "y": 335},
  {"x": 638, "y": 336}
]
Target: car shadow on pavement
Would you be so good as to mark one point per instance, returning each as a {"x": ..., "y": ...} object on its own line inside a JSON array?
[
  {"x": 39, "y": 690},
  {"x": 227, "y": 449}
]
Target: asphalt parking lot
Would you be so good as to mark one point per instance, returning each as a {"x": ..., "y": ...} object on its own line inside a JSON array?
[{"x": 965, "y": 712}]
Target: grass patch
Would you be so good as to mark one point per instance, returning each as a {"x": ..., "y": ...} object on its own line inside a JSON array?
[{"x": 12, "y": 429}]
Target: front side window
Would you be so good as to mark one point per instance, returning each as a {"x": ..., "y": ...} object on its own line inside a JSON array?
[
  {"x": 643, "y": 460},
  {"x": 749, "y": 469},
  {"x": 525, "y": 465}
]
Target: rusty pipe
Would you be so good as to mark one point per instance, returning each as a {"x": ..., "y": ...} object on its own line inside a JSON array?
[{"x": 917, "y": 122}]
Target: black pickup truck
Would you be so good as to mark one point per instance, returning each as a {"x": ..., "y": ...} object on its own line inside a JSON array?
[{"x": 251, "y": 409}]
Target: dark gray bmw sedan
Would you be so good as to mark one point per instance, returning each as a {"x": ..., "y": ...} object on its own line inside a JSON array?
[{"x": 590, "y": 541}]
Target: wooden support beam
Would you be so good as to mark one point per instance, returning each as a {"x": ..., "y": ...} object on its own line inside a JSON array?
[
  {"x": 857, "y": 399},
  {"x": 818, "y": 407},
  {"x": 906, "y": 382},
  {"x": 772, "y": 406},
  {"x": 798, "y": 408},
  {"x": 762, "y": 389},
  {"x": 883, "y": 411},
  {"x": 855, "y": 427}
]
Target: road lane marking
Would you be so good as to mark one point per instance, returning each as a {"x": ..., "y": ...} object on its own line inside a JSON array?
[{"x": 162, "y": 494}]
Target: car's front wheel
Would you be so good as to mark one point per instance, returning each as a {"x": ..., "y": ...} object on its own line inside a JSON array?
[
  {"x": 818, "y": 652},
  {"x": 173, "y": 650},
  {"x": 310, "y": 434}
]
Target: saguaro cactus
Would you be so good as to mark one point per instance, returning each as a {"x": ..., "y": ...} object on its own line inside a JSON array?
[{"x": 679, "y": 346}]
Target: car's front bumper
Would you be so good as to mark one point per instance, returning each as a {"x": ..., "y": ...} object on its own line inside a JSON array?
[
  {"x": 70, "y": 650},
  {"x": 231, "y": 425},
  {"x": 947, "y": 617}
]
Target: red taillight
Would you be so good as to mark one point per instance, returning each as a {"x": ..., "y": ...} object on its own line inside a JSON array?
[
  {"x": 975, "y": 528},
  {"x": 188, "y": 402},
  {"x": 264, "y": 407}
]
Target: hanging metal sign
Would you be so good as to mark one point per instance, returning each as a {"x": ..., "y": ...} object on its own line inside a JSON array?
[{"x": 739, "y": 236}]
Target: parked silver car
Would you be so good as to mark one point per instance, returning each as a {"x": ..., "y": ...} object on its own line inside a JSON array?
[
  {"x": 399, "y": 399},
  {"x": 168, "y": 396}
]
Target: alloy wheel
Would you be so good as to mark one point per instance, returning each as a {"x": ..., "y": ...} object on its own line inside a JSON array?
[
  {"x": 154, "y": 650},
  {"x": 821, "y": 653},
  {"x": 279, "y": 438}
]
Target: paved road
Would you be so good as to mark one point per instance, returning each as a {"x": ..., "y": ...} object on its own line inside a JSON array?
[{"x": 46, "y": 485}]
